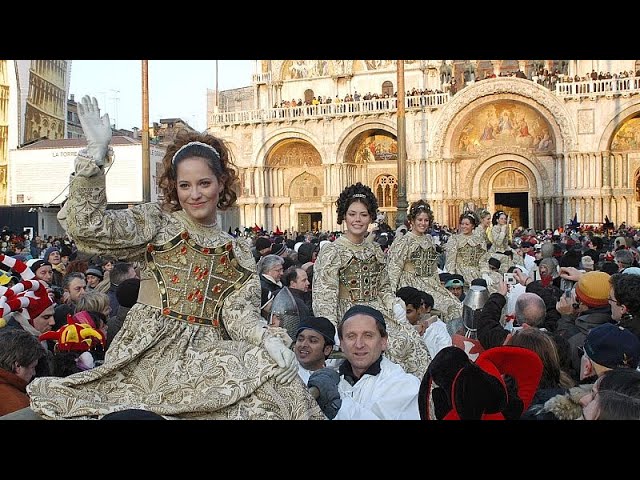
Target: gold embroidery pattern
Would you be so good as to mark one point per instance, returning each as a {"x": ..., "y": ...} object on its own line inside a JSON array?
[
  {"x": 360, "y": 278},
  {"x": 194, "y": 280},
  {"x": 470, "y": 255},
  {"x": 425, "y": 261}
]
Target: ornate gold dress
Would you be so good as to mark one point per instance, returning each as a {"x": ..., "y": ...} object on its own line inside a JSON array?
[
  {"x": 499, "y": 236},
  {"x": 465, "y": 254},
  {"x": 191, "y": 347},
  {"x": 412, "y": 260},
  {"x": 347, "y": 274}
]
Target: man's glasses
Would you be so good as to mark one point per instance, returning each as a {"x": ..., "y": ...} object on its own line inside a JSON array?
[{"x": 614, "y": 301}]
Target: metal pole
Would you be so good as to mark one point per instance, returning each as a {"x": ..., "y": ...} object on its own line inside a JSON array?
[
  {"x": 215, "y": 107},
  {"x": 146, "y": 156},
  {"x": 401, "y": 216}
]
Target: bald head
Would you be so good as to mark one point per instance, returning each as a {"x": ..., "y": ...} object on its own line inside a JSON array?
[{"x": 530, "y": 309}]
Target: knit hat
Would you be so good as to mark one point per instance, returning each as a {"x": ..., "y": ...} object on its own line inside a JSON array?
[
  {"x": 278, "y": 248},
  {"x": 95, "y": 271},
  {"x": 612, "y": 346},
  {"x": 262, "y": 243},
  {"x": 48, "y": 252},
  {"x": 495, "y": 263},
  {"x": 365, "y": 310},
  {"x": 321, "y": 325},
  {"x": 593, "y": 289},
  {"x": 30, "y": 296}
]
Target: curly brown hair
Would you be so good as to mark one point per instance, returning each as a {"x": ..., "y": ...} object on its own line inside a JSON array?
[
  {"x": 360, "y": 193},
  {"x": 222, "y": 166},
  {"x": 419, "y": 207}
]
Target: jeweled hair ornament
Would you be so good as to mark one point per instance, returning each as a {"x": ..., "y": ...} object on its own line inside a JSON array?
[
  {"x": 192, "y": 144},
  {"x": 358, "y": 195}
]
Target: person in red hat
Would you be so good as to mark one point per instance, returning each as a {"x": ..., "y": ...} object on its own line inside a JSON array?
[{"x": 460, "y": 389}]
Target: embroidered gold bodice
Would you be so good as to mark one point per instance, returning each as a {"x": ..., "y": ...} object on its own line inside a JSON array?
[
  {"x": 422, "y": 261},
  {"x": 359, "y": 280},
  {"x": 193, "y": 280}
]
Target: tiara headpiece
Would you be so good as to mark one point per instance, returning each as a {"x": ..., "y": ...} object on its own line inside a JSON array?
[
  {"x": 192, "y": 144},
  {"x": 358, "y": 195}
]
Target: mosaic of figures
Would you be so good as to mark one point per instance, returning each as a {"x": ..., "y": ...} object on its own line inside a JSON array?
[
  {"x": 628, "y": 137},
  {"x": 377, "y": 148},
  {"x": 504, "y": 123}
]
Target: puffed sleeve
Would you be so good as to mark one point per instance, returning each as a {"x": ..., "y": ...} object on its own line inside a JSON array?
[
  {"x": 326, "y": 282},
  {"x": 396, "y": 256},
  {"x": 94, "y": 229},
  {"x": 451, "y": 251}
]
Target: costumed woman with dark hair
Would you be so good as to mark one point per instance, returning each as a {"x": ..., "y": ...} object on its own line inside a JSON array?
[
  {"x": 412, "y": 260},
  {"x": 500, "y": 237},
  {"x": 352, "y": 271},
  {"x": 194, "y": 346},
  {"x": 465, "y": 250}
]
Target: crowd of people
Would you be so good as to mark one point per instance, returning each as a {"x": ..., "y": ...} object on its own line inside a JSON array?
[{"x": 155, "y": 311}]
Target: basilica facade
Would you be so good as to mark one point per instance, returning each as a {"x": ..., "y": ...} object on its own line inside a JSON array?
[{"x": 545, "y": 140}]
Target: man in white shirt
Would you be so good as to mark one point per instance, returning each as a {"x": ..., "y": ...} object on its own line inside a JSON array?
[
  {"x": 367, "y": 385},
  {"x": 313, "y": 345}
]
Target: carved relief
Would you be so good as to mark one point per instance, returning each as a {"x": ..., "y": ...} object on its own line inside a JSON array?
[
  {"x": 294, "y": 154},
  {"x": 515, "y": 86},
  {"x": 585, "y": 121},
  {"x": 306, "y": 188}
]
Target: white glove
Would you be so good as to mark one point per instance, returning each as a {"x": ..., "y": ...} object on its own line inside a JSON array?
[
  {"x": 400, "y": 311},
  {"x": 284, "y": 357},
  {"x": 97, "y": 129}
]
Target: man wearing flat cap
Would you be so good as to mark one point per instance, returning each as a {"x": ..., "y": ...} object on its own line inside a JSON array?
[
  {"x": 367, "y": 385},
  {"x": 313, "y": 344}
]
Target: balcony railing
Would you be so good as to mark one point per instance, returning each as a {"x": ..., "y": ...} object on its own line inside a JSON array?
[
  {"x": 568, "y": 90},
  {"x": 593, "y": 88},
  {"x": 342, "y": 109}
]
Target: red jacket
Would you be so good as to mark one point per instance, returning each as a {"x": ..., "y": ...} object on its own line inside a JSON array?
[{"x": 13, "y": 392}]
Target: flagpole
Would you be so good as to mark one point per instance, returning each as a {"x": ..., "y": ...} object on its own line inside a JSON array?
[{"x": 146, "y": 156}]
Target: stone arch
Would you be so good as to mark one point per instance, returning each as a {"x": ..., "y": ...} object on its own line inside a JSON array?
[
  {"x": 507, "y": 88},
  {"x": 631, "y": 109},
  {"x": 273, "y": 140},
  {"x": 487, "y": 167},
  {"x": 348, "y": 137}
]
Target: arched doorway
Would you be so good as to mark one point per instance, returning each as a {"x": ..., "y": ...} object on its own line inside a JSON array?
[{"x": 511, "y": 194}]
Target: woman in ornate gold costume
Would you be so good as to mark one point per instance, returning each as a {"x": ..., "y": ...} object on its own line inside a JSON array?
[
  {"x": 500, "y": 237},
  {"x": 484, "y": 224},
  {"x": 412, "y": 260},
  {"x": 352, "y": 271},
  {"x": 194, "y": 346},
  {"x": 466, "y": 251}
]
